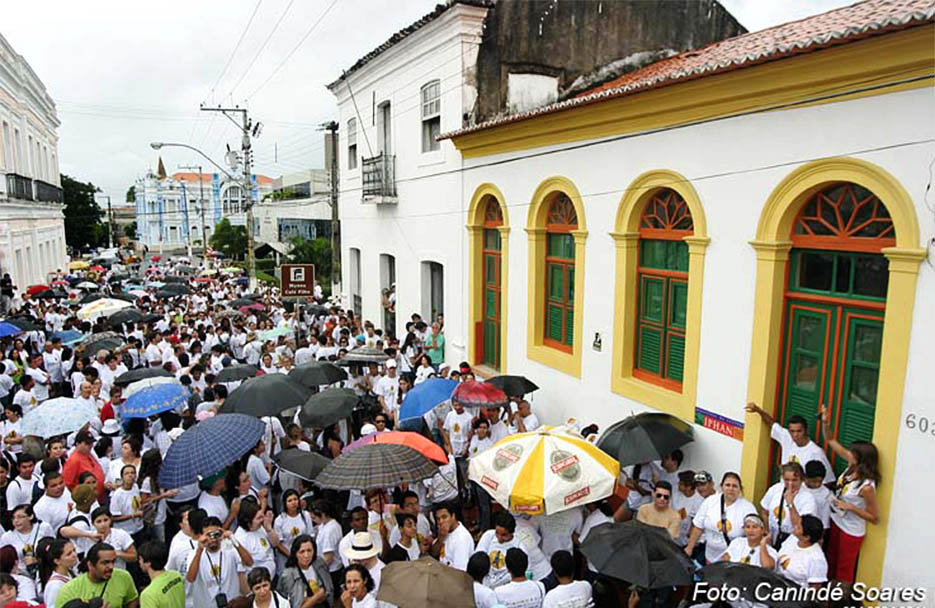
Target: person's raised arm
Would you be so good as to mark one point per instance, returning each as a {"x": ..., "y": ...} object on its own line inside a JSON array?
[
  {"x": 753, "y": 408},
  {"x": 192, "y": 575},
  {"x": 245, "y": 556},
  {"x": 839, "y": 449},
  {"x": 766, "y": 560}
]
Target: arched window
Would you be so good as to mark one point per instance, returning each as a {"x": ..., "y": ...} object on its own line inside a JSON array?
[
  {"x": 492, "y": 255},
  {"x": 561, "y": 221},
  {"x": 662, "y": 288}
]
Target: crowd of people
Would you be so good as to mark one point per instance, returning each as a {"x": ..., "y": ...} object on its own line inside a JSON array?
[{"x": 84, "y": 519}]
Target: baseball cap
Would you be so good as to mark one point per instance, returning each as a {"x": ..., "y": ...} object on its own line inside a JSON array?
[
  {"x": 367, "y": 429},
  {"x": 390, "y": 363},
  {"x": 703, "y": 477}
]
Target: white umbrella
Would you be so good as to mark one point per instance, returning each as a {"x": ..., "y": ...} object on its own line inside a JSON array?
[
  {"x": 102, "y": 308},
  {"x": 87, "y": 285},
  {"x": 58, "y": 416}
]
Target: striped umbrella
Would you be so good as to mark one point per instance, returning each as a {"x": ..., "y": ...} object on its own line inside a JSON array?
[
  {"x": 546, "y": 471},
  {"x": 155, "y": 399},
  {"x": 479, "y": 394},
  {"x": 208, "y": 447},
  {"x": 58, "y": 416},
  {"x": 377, "y": 465}
]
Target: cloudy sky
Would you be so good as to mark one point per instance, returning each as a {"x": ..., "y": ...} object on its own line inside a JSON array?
[{"x": 124, "y": 74}]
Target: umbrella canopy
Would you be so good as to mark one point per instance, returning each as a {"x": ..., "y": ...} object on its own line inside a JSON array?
[
  {"x": 228, "y": 314},
  {"x": 419, "y": 443},
  {"x": 204, "y": 280},
  {"x": 514, "y": 385},
  {"x": 378, "y": 465},
  {"x": 155, "y": 284},
  {"x": 101, "y": 308},
  {"x": 91, "y": 297},
  {"x": 58, "y": 416},
  {"x": 328, "y": 407},
  {"x": 208, "y": 447},
  {"x": 240, "y": 302},
  {"x": 134, "y": 375},
  {"x": 638, "y": 553},
  {"x": 150, "y": 382},
  {"x": 185, "y": 269},
  {"x": 245, "y": 310},
  {"x": 265, "y": 396},
  {"x": 317, "y": 373},
  {"x": 78, "y": 265},
  {"x": 479, "y": 394},
  {"x": 34, "y": 289},
  {"x": 150, "y": 318},
  {"x": 88, "y": 285},
  {"x": 425, "y": 583},
  {"x": 127, "y": 315},
  {"x": 98, "y": 268},
  {"x": 154, "y": 400},
  {"x": 208, "y": 272},
  {"x": 306, "y": 465},
  {"x": 8, "y": 329},
  {"x": 233, "y": 373},
  {"x": 95, "y": 343},
  {"x": 425, "y": 396},
  {"x": 363, "y": 356},
  {"x": 166, "y": 295},
  {"x": 272, "y": 334},
  {"x": 746, "y": 578},
  {"x": 174, "y": 279},
  {"x": 131, "y": 287},
  {"x": 116, "y": 278},
  {"x": 645, "y": 437},
  {"x": 24, "y": 323},
  {"x": 546, "y": 471},
  {"x": 51, "y": 294},
  {"x": 69, "y": 336},
  {"x": 178, "y": 288}
]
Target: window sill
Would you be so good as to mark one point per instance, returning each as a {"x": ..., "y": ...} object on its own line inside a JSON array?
[
  {"x": 565, "y": 362},
  {"x": 655, "y": 396}
]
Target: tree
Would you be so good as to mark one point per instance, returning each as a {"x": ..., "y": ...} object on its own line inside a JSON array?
[
  {"x": 129, "y": 230},
  {"x": 131, "y": 194},
  {"x": 229, "y": 240},
  {"x": 317, "y": 252},
  {"x": 82, "y": 214}
]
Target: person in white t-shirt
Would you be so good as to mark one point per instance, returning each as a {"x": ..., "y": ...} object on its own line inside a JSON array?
[
  {"x": 720, "y": 518},
  {"x": 387, "y": 389},
  {"x": 519, "y": 592},
  {"x": 55, "y": 505},
  {"x": 478, "y": 567},
  {"x": 686, "y": 501},
  {"x": 753, "y": 548},
  {"x": 793, "y": 440},
  {"x": 126, "y": 505},
  {"x": 454, "y": 545},
  {"x": 784, "y": 502},
  {"x": 569, "y": 593},
  {"x": 117, "y": 538},
  {"x": 800, "y": 557},
  {"x": 328, "y": 536},
  {"x": 25, "y": 535},
  {"x": 814, "y": 485},
  {"x": 505, "y": 536},
  {"x": 523, "y": 420}
]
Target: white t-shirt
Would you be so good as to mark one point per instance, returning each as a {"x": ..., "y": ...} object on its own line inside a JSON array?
[
  {"x": 180, "y": 548},
  {"x": 217, "y": 573},
  {"x": 457, "y": 548},
  {"x": 687, "y": 507},
  {"x": 708, "y": 519},
  {"x": 259, "y": 547},
  {"x": 121, "y": 541},
  {"x": 576, "y": 594},
  {"x": 484, "y": 597},
  {"x": 19, "y": 491},
  {"x": 127, "y": 502},
  {"x": 822, "y": 496},
  {"x": 81, "y": 521},
  {"x": 259, "y": 476},
  {"x": 388, "y": 388},
  {"x": 802, "y": 455},
  {"x": 803, "y": 501},
  {"x": 25, "y": 544},
  {"x": 848, "y": 521},
  {"x": 348, "y": 539},
  {"x": 327, "y": 541},
  {"x": 524, "y": 594},
  {"x": 147, "y": 487},
  {"x": 802, "y": 566},
  {"x": 479, "y": 445},
  {"x": 214, "y": 505},
  {"x": 54, "y": 511},
  {"x": 556, "y": 530},
  {"x": 740, "y": 551},
  {"x": 644, "y": 480},
  {"x": 7, "y": 427},
  {"x": 458, "y": 426},
  {"x": 491, "y": 546}
]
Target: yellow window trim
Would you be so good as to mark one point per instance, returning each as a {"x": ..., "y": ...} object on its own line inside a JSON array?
[
  {"x": 772, "y": 252},
  {"x": 475, "y": 227},
  {"x": 626, "y": 238},
  {"x": 569, "y": 363}
]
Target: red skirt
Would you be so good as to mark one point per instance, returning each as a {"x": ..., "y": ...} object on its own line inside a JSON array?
[{"x": 843, "y": 550}]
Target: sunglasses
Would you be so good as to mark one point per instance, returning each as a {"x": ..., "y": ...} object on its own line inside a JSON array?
[{"x": 663, "y": 496}]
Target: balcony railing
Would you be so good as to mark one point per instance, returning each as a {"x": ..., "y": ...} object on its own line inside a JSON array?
[
  {"x": 19, "y": 187},
  {"x": 47, "y": 192},
  {"x": 379, "y": 176}
]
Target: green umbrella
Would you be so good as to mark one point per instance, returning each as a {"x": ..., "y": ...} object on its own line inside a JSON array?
[
  {"x": 328, "y": 407},
  {"x": 318, "y": 373}
]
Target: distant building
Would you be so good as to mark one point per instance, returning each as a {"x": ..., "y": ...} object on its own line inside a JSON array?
[
  {"x": 298, "y": 206},
  {"x": 170, "y": 209},
  {"x": 32, "y": 228}
]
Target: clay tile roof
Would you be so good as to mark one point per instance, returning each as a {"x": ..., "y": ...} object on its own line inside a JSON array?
[
  {"x": 193, "y": 177},
  {"x": 840, "y": 26}
]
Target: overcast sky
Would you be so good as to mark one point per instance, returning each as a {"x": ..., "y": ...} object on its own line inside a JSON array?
[{"x": 124, "y": 74}]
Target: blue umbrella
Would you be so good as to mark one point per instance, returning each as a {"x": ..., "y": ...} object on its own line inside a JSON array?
[
  {"x": 154, "y": 400},
  {"x": 8, "y": 329},
  {"x": 208, "y": 447},
  {"x": 69, "y": 336},
  {"x": 58, "y": 416},
  {"x": 426, "y": 396}
]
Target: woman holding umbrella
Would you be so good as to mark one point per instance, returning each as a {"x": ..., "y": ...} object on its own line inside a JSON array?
[{"x": 720, "y": 518}]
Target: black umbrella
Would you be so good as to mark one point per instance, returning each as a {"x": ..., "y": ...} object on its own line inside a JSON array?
[
  {"x": 24, "y": 323},
  {"x": 174, "y": 280},
  {"x": 317, "y": 309},
  {"x": 165, "y": 294},
  {"x": 91, "y": 297},
  {"x": 123, "y": 296},
  {"x": 306, "y": 465},
  {"x": 133, "y": 375},
  {"x": 50, "y": 294},
  {"x": 645, "y": 437},
  {"x": 233, "y": 373},
  {"x": 240, "y": 302},
  {"x": 149, "y": 318},
  {"x": 118, "y": 277},
  {"x": 328, "y": 407},
  {"x": 318, "y": 373},
  {"x": 514, "y": 385},
  {"x": 265, "y": 396},
  {"x": 126, "y": 315},
  {"x": 748, "y": 579},
  {"x": 364, "y": 355},
  {"x": 637, "y": 553},
  {"x": 99, "y": 342}
]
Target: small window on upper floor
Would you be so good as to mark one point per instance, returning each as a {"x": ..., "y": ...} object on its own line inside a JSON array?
[
  {"x": 352, "y": 143},
  {"x": 431, "y": 116}
]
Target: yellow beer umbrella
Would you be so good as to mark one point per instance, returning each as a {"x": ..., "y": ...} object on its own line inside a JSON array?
[
  {"x": 546, "y": 471},
  {"x": 78, "y": 265}
]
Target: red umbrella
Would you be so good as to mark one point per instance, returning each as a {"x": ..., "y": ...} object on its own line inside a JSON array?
[
  {"x": 479, "y": 394},
  {"x": 417, "y": 442},
  {"x": 97, "y": 268},
  {"x": 156, "y": 258},
  {"x": 245, "y": 310},
  {"x": 204, "y": 280},
  {"x": 34, "y": 289},
  {"x": 56, "y": 283}
]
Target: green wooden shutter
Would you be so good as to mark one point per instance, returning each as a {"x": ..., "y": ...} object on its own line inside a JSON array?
[
  {"x": 650, "y": 349},
  {"x": 807, "y": 351},
  {"x": 675, "y": 357},
  {"x": 861, "y": 374}
]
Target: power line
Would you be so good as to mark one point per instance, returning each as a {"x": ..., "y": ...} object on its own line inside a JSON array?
[
  {"x": 262, "y": 47},
  {"x": 243, "y": 34}
]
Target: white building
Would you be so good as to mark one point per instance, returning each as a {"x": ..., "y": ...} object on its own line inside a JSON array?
[
  {"x": 298, "y": 206},
  {"x": 745, "y": 222},
  {"x": 32, "y": 230},
  {"x": 170, "y": 209}
]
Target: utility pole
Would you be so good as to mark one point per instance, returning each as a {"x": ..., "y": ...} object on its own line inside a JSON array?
[
  {"x": 201, "y": 208},
  {"x": 188, "y": 225},
  {"x": 332, "y": 127},
  {"x": 246, "y": 128},
  {"x": 110, "y": 225}
]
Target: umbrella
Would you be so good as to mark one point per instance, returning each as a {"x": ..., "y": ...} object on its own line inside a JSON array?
[
  {"x": 176, "y": 280},
  {"x": 150, "y": 318},
  {"x": 87, "y": 285},
  {"x": 638, "y": 553},
  {"x": 241, "y": 302},
  {"x": 364, "y": 355},
  {"x": 204, "y": 280},
  {"x": 50, "y": 294},
  {"x": 328, "y": 407},
  {"x": 746, "y": 578},
  {"x": 246, "y": 309},
  {"x": 150, "y": 382},
  {"x": 479, "y": 394},
  {"x": 317, "y": 309},
  {"x": 546, "y": 471},
  {"x": 417, "y": 442},
  {"x": 306, "y": 465},
  {"x": 116, "y": 278},
  {"x": 178, "y": 288},
  {"x": 208, "y": 272},
  {"x": 514, "y": 385},
  {"x": 271, "y": 334},
  {"x": 127, "y": 315},
  {"x": 58, "y": 416},
  {"x": 156, "y": 258},
  {"x": 425, "y": 583},
  {"x": 106, "y": 340},
  {"x": 154, "y": 400},
  {"x": 135, "y": 375},
  {"x": 91, "y": 297},
  {"x": 78, "y": 265},
  {"x": 425, "y": 396},
  {"x": 233, "y": 373},
  {"x": 24, "y": 323},
  {"x": 265, "y": 396},
  {"x": 102, "y": 308},
  {"x": 208, "y": 447},
  {"x": 185, "y": 269},
  {"x": 98, "y": 268},
  {"x": 60, "y": 283},
  {"x": 644, "y": 437},
  {"x": 378, "y": 465},
  {"x": 8, "y": 329},
  {"x": 34, "y": 289},
  {"x": 131, "y": 287},
  {"x": 155, "y": 284},
  {"x": 68, "y": 336},
  {"x": 228, "y": 314},
  {"x": 165, "y": 295},
  {"x": 317, "y": 373}
]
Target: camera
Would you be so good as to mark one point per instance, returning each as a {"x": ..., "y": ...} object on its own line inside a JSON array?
[
  {"x": 215, "y": 534},
  {"x": 221, "y": 600}
]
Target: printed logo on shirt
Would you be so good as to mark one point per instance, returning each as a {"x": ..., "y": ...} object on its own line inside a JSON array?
[
  {"x": 719, "y": 526},
  {"x": 294, "y": 531},
  {"x": 263, "y": 542},
  {"x": 135, "y": 503},
  {"x": 577, "y": 495},
  {"x": 27, "y": 550},
  {"x": 565, "y": 465},
  {"x": 216, "y": 570},
  {"x": 784, "y": 561},
  {"x": 313, "y": 586},
  {"x": 490, "y": 483},
  {"x": 497, "y": 560},
  {"x": 456, "y": 428},
  {"x": 507, "y": 456},
  {"x": 683, "y": 513}
]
